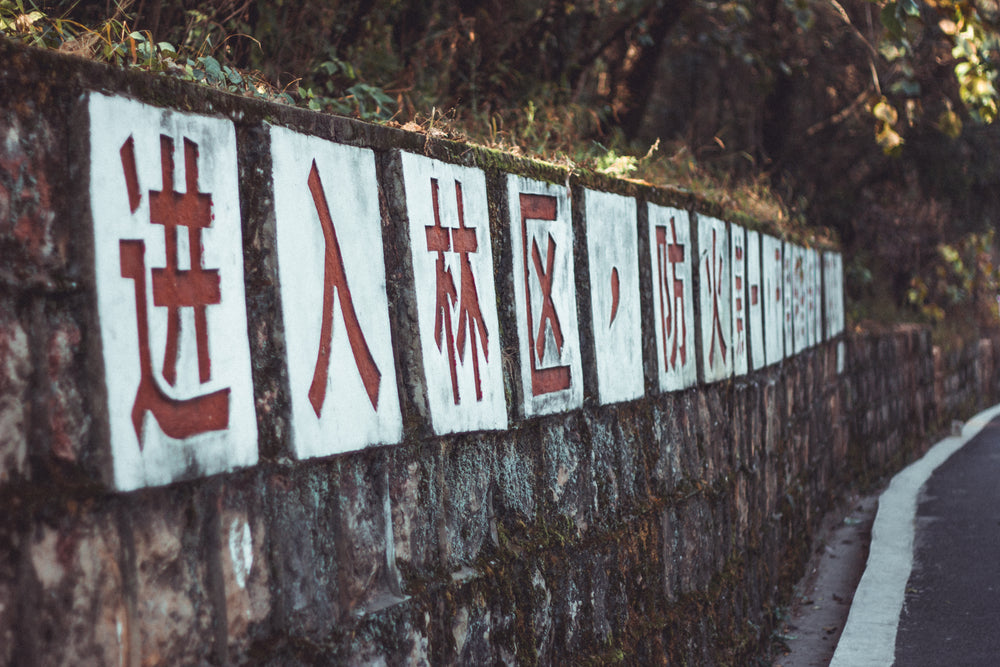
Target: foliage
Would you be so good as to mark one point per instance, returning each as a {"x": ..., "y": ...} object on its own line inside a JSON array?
[
  {"x": 961, "y": 275},
  {"x": 962, "y": 35},
  {"x": 195, "y": 58},
  {"x": 868, "y": 117}
]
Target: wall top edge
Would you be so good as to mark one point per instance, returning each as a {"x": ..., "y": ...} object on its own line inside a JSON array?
[{"x": 46, "y": 77}]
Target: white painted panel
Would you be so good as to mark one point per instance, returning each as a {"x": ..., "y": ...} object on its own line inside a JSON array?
[
  {"x": 672, "y": 292},
  {"x": 774, "y": 299},
  {"x": 541, "y": 235},
  {"x": 453, "y": 281},
  {"x": 838, "y": 294},
  {"x": 788, "y": 279},
  {"x": 715, "y": 311},
  {"x": 800, "y": 318},
  {"x": 173, "y": 329},
  {"x": 613, "y": 259},
  {"x": 817, "y": 266},
  {"x": 833, "y": 286},
  {"x": 333, "y": 300},
  {"x": 808, "y": 294},
  {"x": 755, "y": 301},
  {"x": 738, "y": 299}
]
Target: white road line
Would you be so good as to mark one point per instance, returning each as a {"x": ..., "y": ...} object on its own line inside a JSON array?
[{"x": 869, "y": 637}]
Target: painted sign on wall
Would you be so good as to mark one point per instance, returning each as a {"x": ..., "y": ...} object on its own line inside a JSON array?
[
  {"x": 613, "y": 259},
  {"x": 788, "y": 281},
  {"x": 738, "y": 299},
  {"x": 800, "y": 299},
  {"x": 772, "y": 265},
  {"x": 833, "y": 285},
  {"x": 456, "y": 297},
  {"x": 817, "y": 280},
  {"x": 169, "y": 272},
  {"x": 714, "y": 288},
  {"x": 755, "y": 301},
  {"x": 333, "y": 299},
  {"x": 541, "y": 236},
  {"x": 170, "y": 296},
  {"x": 671, "y": 255}
]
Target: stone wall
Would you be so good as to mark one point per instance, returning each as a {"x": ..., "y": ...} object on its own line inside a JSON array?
[{"x": 665, "y": 527}]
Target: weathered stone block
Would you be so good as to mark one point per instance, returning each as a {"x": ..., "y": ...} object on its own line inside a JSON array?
[
  {"x": 81, "y": 615},
  {"x": 696, "y": 545},
  {"x": 569, "y": 613},
  {"x": 35, "y": 240},
  {"x": 174, "y": 611},
  {"x": 515, "y": 477},
  {"x": 617, "y": 436},
  {"x": 468, "y": 466},
  {"x": 715, "y": 428},
  {"x": 542, "y": 623},
  {"x": 243, "y": 553},
  {"x": 469, "y": 623},
  {"x": 15, "y": 392},
  {"x": 568, "y": 471},
  {"x": 65, "y": 404},
  {"x": 304, "y": 549},
  {"x": 367, "y": 576},
  {"x": 668, "y": 434},
  {"x": 399, "y": 635},
  {"x": 9, "y": 630},
  {"x": 415, "y": 496}
]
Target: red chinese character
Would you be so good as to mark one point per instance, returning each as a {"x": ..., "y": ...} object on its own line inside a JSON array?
[
  {"x": 461, "y": 240},
  {"x": 555, "y": 378},
  {"x": 738, "y": 297},
  {"x": 173, "y": 288},
  {"x": 669, "y": 255},
  {"x": 799, "y": 293},
  {"x": 336, "y": 278},
  {"x": 777, "y": 283},
  {"x": 714, "y": 265}
]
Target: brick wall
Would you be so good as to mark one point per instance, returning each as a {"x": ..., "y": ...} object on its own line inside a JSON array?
[{"x": 666, "y": 526}]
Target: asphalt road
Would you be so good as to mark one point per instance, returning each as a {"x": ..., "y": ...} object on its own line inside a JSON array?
[
  {"x": 951, "y": 609},
  {"x": 929, "y": 593}
]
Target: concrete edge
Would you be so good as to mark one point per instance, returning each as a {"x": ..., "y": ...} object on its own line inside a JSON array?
[{"x": 869, "y": 637}]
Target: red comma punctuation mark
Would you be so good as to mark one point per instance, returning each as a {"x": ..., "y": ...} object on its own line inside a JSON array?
[{"x": 615, "y": 294}]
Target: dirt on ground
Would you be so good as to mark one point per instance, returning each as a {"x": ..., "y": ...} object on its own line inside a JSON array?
[{"x": 822, "y": 599}]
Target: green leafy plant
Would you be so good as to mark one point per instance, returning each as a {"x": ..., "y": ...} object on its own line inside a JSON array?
[
  {"x": 962, "y": 276},
  {"x": 198, "y": 59}
]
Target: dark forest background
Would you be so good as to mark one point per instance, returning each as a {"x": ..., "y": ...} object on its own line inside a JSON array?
[{"x": 871, "y": 118}]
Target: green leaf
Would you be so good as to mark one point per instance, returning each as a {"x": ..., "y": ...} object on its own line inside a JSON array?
[
  {"x": 213, "y": 69},
  {"x": 906, "y": 87},
  {"x": 885, "y": 112},
  {"x": 890, "y": 140},
  {"x": 890, "y": 20},
  {"x": 891, "y": 50}
]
